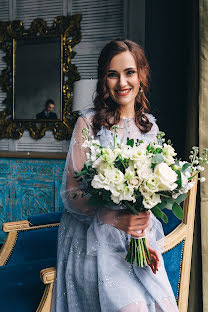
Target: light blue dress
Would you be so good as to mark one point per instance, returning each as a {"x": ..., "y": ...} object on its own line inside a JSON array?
[{"x": 92, "y": 274}]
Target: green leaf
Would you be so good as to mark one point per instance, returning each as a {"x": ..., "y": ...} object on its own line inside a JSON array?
[
  {"x": 157, "y": 159},
  {"x": 177, "y": 210},
  {"x": 164, "y": 217},
  {"x": 179, "y": 182},
  {"x": 181, "y": 198},
  {"x": 157, "y": 212},
  {"x": 162, "y": 205},
  {"x": 130, "y": 142},
  {"x": 185, "y": 166}
]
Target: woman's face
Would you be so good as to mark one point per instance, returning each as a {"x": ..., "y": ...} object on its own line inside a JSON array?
[{"x": 122, "y": 79}]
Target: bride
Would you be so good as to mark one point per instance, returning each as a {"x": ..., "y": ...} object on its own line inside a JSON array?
[{"x": 92, "y": 274}]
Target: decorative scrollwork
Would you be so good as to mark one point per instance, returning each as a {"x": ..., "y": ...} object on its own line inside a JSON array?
[{"x": 69, "y": 28}]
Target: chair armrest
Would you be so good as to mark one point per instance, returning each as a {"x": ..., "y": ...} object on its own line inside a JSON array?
[{"x": 47, "y": 276}]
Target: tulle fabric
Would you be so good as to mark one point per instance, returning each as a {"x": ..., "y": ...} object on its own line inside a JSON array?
[{"x": 92, "y": 274}]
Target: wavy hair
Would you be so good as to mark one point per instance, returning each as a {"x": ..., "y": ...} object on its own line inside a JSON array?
[{"x": 106, "y": 110}]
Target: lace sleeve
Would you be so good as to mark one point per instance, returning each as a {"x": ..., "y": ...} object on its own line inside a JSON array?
[
  {"x": 71, "y": 189},
  {"x": 152, "y": 134}
]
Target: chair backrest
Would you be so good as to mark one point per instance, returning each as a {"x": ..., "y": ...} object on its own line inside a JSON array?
[
  {"x": 31, "y": 240},
  {"x": 178, "y": 249}
]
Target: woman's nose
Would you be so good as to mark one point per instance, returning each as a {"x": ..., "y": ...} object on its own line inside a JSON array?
[{"x": 122, "y": 81}]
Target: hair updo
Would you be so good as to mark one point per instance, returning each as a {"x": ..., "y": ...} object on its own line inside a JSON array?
[{"x": 106, "y": 110}]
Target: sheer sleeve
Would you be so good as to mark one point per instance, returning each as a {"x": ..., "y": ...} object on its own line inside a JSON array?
[
  {"x": 73, "y": 197},
  {"x": 152, "y": 134}
]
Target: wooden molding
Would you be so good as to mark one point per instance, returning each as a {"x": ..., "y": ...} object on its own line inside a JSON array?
[
  {"x": 24, "y": 225},
  {"x": 48, "y": 275},
  {"x": 7, "y": 247},
  {"x": 45, "y": 303},
  {"x": 16, "y": 226},
  {"x": 189, "y": 217}
]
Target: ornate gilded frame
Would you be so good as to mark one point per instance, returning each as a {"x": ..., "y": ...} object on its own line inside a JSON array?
[{"x": 68, "y": 27}]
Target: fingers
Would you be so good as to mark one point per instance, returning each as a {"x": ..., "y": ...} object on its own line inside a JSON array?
[{"x": 136, "y": 234}]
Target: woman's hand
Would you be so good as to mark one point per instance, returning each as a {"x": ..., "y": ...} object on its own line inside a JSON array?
[
  {"x": 155, "y": 260},
  {"x": 154, "y": 257},
  {"x": 126, "y": 222},
  {"x": 131, "y": 223}
]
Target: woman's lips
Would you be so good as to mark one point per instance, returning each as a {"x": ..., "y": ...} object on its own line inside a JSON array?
[{"x": 123, "y": 92}]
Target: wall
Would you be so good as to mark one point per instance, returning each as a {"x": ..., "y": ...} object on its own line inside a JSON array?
[{"x": 101, "y": 22}]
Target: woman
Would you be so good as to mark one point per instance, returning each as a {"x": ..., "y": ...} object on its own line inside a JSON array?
[{"x": 92, "y": 274}]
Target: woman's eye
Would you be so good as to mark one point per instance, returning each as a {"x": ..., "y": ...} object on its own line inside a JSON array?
[
  {"x": 111, "y": 75},
  {"x": 130, "y": 72}
]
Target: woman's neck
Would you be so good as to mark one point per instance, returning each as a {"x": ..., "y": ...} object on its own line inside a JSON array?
[{"x": 127, "y": 112}]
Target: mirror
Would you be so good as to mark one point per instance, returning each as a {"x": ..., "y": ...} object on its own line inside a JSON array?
[
  {"x": 39, "y": 77},
  {"x": 38, "y": 72}
]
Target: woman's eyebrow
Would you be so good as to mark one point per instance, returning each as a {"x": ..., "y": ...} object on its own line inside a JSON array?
[{"x": 130, "y": 68}]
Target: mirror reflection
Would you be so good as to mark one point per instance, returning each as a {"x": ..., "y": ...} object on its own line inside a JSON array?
[{"x": 37, "y": 78}]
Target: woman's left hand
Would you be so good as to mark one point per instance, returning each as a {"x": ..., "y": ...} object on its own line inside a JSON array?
[{"x": 155, "y": 260}]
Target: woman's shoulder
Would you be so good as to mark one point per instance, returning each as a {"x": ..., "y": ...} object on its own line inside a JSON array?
[
  {"x": 154, "y": 130},
  {"x": 151, "y": 118},
  {"x": 88, "y": 115}
]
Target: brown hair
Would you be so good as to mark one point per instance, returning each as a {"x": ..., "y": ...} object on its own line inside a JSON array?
[{"x": 106, "y": 110}]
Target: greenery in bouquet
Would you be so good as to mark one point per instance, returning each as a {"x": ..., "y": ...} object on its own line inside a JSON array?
[{"x": 139, "y": 176}]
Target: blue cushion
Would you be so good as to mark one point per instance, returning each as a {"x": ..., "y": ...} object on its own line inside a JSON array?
[
  {"x": 172, "y": 260},
  {"x": 48, "y": 218},
  {"x": 21, "y": 288},
  {"x": 35, "y": 245}
]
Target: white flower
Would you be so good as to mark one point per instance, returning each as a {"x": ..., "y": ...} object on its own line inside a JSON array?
[
  {"x": 108, "y": 155},
  {"x": 151, "y": 201},
  {"x": 200, "y": 168},
  {"x": 151, "y": 184},
  {"x": 143, "y": 167},
  {"x": 114, "y": 175},
  {"x": 203, "y": 179},
  {"x": 168, "y": 154},
  {"x": 166, "y": 176},
  {"x": 97, "y": 163}
]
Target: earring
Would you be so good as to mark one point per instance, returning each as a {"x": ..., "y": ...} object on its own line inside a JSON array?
[{"x": 140, "y": 88}]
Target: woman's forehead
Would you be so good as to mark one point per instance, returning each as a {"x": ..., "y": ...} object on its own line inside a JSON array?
[{"x": 122, "y": 61}]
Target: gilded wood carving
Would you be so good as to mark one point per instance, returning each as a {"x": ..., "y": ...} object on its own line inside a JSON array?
[{"x": 66, "y": 27}]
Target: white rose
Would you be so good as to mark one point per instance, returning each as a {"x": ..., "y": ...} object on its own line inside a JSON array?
[
  {"x": 135, "y": 182},
  {"x": 166, "y": 176}
]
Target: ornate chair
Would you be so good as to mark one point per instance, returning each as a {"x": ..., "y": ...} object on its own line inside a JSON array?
[
  {"x": 30, "y": 246},
  {"x": 177, "y": 256}
]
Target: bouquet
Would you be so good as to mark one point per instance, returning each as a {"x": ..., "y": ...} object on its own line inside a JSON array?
[{"x": 139, "y": 176}]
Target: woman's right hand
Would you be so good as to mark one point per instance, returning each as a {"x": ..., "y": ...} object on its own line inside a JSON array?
[
  {"x": 131, "y": 223},
  {"x": 124, "y": 221}
]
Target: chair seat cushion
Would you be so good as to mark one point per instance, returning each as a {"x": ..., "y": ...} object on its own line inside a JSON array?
[{"x": 21, "y": 288}]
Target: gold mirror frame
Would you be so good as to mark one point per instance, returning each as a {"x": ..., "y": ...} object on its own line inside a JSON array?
[{"x": 68, "y": 28}]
